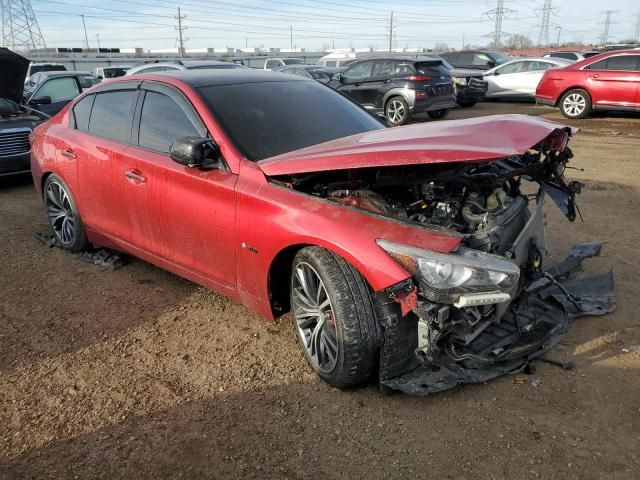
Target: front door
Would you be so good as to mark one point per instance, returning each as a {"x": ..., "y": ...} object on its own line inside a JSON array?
[
  {"x": 352, "y": 80},
  {"x": 185, "y": 216}
]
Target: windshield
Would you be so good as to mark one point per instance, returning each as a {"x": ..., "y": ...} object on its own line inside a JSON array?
[
  {"x": 499, "y": 58},
  {"x": 114, "y": 72},
  {"x": 270, "y": 118},
  {"x": 292, "y": 61}
]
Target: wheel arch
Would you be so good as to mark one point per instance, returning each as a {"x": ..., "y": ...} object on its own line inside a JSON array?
[{"x": 575, "y": 87}]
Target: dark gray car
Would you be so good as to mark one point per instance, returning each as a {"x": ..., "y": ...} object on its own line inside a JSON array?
[{"x": 396, "y": 88}]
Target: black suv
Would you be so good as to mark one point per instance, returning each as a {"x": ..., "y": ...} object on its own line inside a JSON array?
[
  {"x": 475, "y": 59},
  {"x": 398, "y": 87}
]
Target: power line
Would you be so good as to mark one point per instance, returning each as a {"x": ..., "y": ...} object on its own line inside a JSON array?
[{"x": 636, "y": 35}]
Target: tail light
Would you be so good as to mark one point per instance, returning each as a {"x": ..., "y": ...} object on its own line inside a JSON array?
[
  {"x": 557, "y": 141},
  {"x": 419, "y": 78},
  {"x": 420, "y": 94}
]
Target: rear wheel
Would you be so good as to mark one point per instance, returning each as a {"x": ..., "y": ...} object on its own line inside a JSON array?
[
  {"x": 63, "y": 215},
  {"x": 333, "y": 317},
  {"x": 396, "y": 111},
  {"x": 575, "y": 103},
  {"x": 438, "y": 114}
]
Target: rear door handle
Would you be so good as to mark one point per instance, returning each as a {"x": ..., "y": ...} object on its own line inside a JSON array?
[
  {"x": 135, "y": 176},
  {"x": 68, "y": 153}
]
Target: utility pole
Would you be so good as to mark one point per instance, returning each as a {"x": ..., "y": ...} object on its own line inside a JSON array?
[
  {"x": 98, "y": 38},
  {"x": 543, "y": 37},
  {"x": 181, "y": 30},
  {"x": 86, "y": 38},
  {"x": 607, "y": 24},
  {"x": 391, "y": 33},
  {"x": 559, "y": 28},
  {"x": 636, "y": 35},
  {"x": 291, "y": 37},
  {"x": 498, "y": 14}
]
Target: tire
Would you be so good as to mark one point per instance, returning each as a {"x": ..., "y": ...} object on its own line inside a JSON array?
[
  {"x": 575, "y": 103},
  {"x": 63, "y": 215},
  {"x": 347, "y": 323},
  {"x": 438, "y": 114},
  {"x": 396, "y": 111},
  {"x": 467, "y": 103}
]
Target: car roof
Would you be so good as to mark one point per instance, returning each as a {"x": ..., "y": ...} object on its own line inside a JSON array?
[
  {"x": 207, "y": 78},
  {"x": 62, "y": 73},
  {"x": 540, "y": 59}
]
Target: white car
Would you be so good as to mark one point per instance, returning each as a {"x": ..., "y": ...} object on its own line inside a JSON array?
[
  {"x": 155, "y": 67},
  {"x": 519, "y": 78},
  {"x": 111, "y": 71}
]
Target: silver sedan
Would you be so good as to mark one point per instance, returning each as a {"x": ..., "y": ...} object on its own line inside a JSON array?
[{"x": 519, "y": 78}]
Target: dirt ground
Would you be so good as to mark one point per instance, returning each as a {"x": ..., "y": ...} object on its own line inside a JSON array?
[{"x": 137, "y": 373}]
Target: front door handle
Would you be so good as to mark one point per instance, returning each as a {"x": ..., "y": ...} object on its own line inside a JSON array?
[
  {"x": 135, "y": 176},
  {"x": 595, "y": 75},
  {"x": 68, "y": 153}
]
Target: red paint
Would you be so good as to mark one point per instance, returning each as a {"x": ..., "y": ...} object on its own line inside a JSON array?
[
  {"x": 607, "y": 88},
  {"x": 468, "y": 140},
  {"x": 223, "y": 229},
  {"x": 408, "y": 301}
]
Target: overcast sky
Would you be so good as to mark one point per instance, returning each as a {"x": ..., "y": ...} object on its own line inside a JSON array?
[{"x": 341, "y": 23}]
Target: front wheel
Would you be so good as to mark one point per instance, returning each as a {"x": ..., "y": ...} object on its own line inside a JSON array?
[
  {"x": 438, "y": 114},
  {"x": 575, "y": 103},
  {"x": 63, "y": 215},
  {"x": 396, "y": 111},
  {"x": 334, "y": 318}
]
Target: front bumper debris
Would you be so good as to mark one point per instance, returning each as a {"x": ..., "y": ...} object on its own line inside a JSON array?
[{"x": 533, "y": 323}]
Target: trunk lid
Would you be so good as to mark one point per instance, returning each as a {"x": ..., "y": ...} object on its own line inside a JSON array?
[
  {"x": 469, "y": 140},
  {"x": 13, "y": 71}
]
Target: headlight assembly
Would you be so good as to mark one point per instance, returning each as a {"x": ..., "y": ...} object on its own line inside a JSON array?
[
  {"x": 459, "y": 80},
  {"x": 464, "y": 277}
]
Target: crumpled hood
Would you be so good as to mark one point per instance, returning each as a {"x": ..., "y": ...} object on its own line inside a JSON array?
[
  {"x": 13, "y": 71},
  {"x": 469, "y": 140}
]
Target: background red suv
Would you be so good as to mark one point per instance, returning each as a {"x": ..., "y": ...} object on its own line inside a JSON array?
[{"x": 610, "y": 81}]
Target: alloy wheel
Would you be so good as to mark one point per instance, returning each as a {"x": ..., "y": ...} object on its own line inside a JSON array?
[
  {"x": 60, "y": 213},
  {"x": 574, "y": 104},
  {"x": 314, "y": 317},
  {"x": 396, "y": 111}
]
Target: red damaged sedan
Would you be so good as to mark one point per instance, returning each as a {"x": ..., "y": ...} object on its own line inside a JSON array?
[{"x": 409, "y": 256}]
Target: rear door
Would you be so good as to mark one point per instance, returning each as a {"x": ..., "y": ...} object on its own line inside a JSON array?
[
  {"x": 102, "y": 129},
  {"x": 613, "y": 81},
  {"x": 185, "y": 216},
  {"x": 353, "y": 78},
  {"x": 508, "y": 80},
  {"x": 374, "y": 88}
]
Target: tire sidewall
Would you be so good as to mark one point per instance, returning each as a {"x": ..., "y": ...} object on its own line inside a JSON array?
[
  {"x": 345, "y": 311},
  {"x": 406, "y": 110},
  {"x": 80, "y": 241},
  {"x": 587, "y": 105},
  {"x": 438, "y": 114}
]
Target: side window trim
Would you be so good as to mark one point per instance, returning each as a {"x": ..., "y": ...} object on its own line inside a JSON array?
[{"x": 73, "y": 112}]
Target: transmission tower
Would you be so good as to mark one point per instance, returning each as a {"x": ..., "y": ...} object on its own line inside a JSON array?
[
  {"x": 20, "y": 29},
  {"x": 543, "y": 37},
  {"x": 497, "y": 15},
  {"x": 607, "y": 24}
]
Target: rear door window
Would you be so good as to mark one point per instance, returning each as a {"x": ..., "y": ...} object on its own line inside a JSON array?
[
  {"x": 82, "y": 112},
  {"x": 59, "y": 89},
  {"x": 515, "y": 67},
  {"x": 159, "y": 135},
  {"x": 384, "y": 69},
  {"x": 112, "y": 114},
  {"x": 537, "y": 66}
]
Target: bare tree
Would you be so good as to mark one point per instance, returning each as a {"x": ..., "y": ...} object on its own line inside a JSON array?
[
  {"x": 440, "y": 47},
  {"x": 517, "y": 41}
]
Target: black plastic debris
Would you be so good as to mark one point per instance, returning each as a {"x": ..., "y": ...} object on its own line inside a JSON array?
[{"x": 102, "y": 257}]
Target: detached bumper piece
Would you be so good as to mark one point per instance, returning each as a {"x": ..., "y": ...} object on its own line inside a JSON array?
[{"x": 503, "y": 339}]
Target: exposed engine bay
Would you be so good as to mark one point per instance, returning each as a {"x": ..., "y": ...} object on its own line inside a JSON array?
[{"x": 504, "y": 309}]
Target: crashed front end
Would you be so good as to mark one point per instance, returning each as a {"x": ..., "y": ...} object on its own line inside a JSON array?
[{"x": 490, "y": 307}]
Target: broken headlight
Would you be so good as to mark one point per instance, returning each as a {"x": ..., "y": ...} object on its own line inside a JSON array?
[
  {"x": 465, "y": 277},
  {"x": 459, "y": 80}
]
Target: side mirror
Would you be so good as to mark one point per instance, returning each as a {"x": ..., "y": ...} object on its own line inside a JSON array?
[
  {"x": 196, "y": 152},
  {"x": 40, "y": 101},
  {"x": 337, "y": 77}
]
